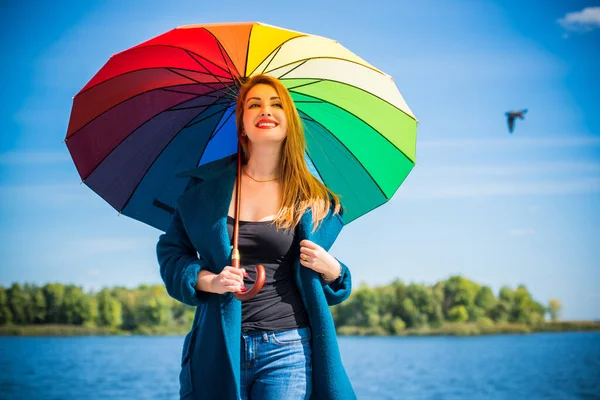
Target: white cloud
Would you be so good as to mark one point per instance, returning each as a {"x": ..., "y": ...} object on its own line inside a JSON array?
[
  {"x": 582, "y": 21},
  {"x": 34, "y": 157},
  {"x": 101, "y": 245},
  {"x": 486, "y": 180},
  {"x": 47, "y": 194},
  {"x": 93, "y": 272},
  {"x": 513, "y": 141},
  {"x": 517, "y": 170},
  {"x": 439, "y": 190},
  {"x": 521, "y": 232}
]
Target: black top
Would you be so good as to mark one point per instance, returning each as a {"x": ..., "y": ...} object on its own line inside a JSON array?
[{"x": 278, "y": 306}]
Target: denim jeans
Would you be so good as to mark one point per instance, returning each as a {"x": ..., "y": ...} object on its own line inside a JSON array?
[{"x": 276, "y": 365}]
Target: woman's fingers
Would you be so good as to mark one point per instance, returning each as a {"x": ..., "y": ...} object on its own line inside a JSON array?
[
  {"x": 231, "y": 285},
  {"x": 234, "y": 273},
  {"x": 231, "y": 279},
  {"x": 308, "y": 244},
  {"x": 307, "y": 253}
]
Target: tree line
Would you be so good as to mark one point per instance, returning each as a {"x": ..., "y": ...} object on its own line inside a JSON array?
[
  {"x": 387, "y": 309},
  {"x": 390, "y": 309}
]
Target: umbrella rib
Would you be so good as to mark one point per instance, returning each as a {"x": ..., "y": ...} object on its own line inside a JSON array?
[
  {"x": 205, "y": 117},
  {"x": 360, "y": 119},
  {"x": 227, "y": 64},
  {"x": 125, "y": 138},
  {"x": 275, "y": 49},
  {"x": 248, "y": 51},
  {"x": 304, "y": 60},
  {"x": 349, "y": 152},
  {"x": 192, "y": 107},
  {"x": 170, "y": 69},
  {"x": 334, "y": 164},
  {"x": 129, "y": 98},
  {"x": 212, "y": 135},
  {"x": 319, "y": 80},
  {"x": 203, "y": 83},
  {"x": 184, "y": 92},
  {"x": 163, "y": 67},
  {"x": 223, "y": 54},
  {"x": 296, "y": 67},
  {"x": 154, "y": 161},
  {"x": 189, "y": 52},
  {"x": 232, "y": 93},
  {"x": 219, "y": 128}
]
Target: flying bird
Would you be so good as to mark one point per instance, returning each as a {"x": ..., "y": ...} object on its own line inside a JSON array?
[{"x": 511, "y": 115}]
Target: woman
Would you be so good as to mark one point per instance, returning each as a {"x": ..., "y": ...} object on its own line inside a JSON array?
[{"x": 281, "y": 344}]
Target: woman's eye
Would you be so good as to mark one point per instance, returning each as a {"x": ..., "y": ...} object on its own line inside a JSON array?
[
  {"x": 277, "y": 105},
  {"x": 253, "y": 105}
]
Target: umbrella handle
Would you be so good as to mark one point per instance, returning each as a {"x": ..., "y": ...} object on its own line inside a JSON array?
[
  {"x": 235, "y": 253},
  {"x": 258, "y": 284}
]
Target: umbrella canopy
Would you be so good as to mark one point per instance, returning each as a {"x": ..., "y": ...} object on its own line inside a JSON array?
[{"x": 168, "y": 105}]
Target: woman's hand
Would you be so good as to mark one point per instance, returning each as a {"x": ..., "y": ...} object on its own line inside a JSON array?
[
  {"x": 230, "y": 279},
  {"x": 316, "y": 258}
]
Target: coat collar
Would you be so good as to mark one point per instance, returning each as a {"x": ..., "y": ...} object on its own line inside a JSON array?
[{"x": 204, "y": 208}]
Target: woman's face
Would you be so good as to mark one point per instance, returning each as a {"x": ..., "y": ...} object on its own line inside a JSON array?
[{"x": 264, "y": 120}]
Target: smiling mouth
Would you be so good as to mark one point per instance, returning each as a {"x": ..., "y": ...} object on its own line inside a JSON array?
[{"x": 266, "y": 125}]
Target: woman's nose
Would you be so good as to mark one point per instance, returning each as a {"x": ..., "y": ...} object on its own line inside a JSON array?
[{"x": 265, "y": 112}]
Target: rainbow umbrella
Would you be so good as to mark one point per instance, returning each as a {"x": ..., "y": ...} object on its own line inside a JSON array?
[{"x": 167, "y": 106}]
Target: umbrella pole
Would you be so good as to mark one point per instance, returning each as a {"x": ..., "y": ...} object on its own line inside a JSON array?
[{"x": 235, "y": 254}]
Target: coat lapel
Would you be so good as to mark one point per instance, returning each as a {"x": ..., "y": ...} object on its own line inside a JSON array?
[
  {"x": 204, "y": 208},
  {"x": 325, "y": 234}
]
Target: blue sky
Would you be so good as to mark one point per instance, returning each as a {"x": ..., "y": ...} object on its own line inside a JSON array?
[{"x": 499, "y": 209}]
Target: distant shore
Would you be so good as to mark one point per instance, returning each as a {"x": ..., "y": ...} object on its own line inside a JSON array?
[
  {"x": 455, "y": 329},
  {"x": 478, "y": 329}
]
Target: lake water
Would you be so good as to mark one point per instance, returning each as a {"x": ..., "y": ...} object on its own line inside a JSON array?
[{"x": 538, "y": 366}]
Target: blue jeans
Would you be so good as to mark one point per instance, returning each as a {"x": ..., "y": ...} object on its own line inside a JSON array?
[{"x": 276, "y": 365}]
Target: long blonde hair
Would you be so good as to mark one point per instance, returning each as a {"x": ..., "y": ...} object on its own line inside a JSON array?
[{"x": 300, "y": 189}]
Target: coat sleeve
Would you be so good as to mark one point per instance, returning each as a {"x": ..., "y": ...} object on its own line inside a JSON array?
[
  {"x": 179, "y": 264},
  {"x": 338, "y": 290}
]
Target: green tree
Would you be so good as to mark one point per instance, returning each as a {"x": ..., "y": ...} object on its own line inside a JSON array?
[
  {"x": 554, "y": 309},
  {"x": 361, "y": 309},
  {"x": 38, "y": 310},
  {"x": 54, "y": 294},
  {"x": 392, "y": 325},
  {"x": 109, "y": 309},
  {"x": 392, "y": 297},
  {"x": 506, "y": 294},
  {"x": 5, "y": 312},
  {"x": 428, "y": 309},
  {"x": 154, "y": 306},
  {"x": 92, "y": 321},
  {"x": 458, "y": 314},
  {"x": 525, "y": 309},
  {"x": 500, "y": 312},
  {"x": 483, "y": 303},
  {"x": 475, "y": 313},
  {"x": 18, "y": 301},
  {"x": 77, "y": 306},
  {"x": 485, "y": 299},
  {"x": 129, "y": 300},
  {"x": 459, "y": 291}
]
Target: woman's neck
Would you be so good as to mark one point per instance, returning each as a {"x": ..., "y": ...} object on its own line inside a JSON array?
[{"x": 264, "y": 163}]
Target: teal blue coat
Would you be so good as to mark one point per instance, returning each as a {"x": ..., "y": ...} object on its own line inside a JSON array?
[{"x": 211, "y": 350}]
